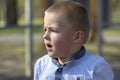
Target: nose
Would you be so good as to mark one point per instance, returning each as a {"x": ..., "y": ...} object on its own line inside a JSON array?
[{"x": 46, "y": 35}]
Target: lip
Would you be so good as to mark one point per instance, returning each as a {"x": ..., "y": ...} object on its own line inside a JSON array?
[{"x": 48, "y": 47}]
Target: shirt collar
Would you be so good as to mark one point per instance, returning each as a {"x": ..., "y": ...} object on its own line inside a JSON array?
[
  {"x": 79, "y": 54},
  {"x": 76, "y": 56}
]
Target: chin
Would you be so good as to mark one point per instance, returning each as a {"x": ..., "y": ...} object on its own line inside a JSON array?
[{"x": 52, "y": 55}]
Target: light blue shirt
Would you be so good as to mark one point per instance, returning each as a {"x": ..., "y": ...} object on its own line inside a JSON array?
[{"x": 87, "y": 67}]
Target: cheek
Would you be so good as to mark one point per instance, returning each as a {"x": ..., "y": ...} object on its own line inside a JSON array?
[{"x": 61, "y": 41}]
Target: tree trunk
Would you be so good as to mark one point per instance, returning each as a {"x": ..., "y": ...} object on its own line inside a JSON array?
[
  {"x": 44, "y": 5},
  {"x": 93, "y": 20},
  {"x": 11, "y": 13}
]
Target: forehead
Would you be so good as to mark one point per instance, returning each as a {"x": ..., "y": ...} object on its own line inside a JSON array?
[
  {"x": 52, "y": 18},
  {"x": 57, "y": 16}
]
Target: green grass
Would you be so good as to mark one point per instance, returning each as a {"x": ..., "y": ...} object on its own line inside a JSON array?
[
  {"x": 113, "y": 32},
  {"x": 18, "y": 30},
  {"x": 115, "y": 16},
  {"x": 12, "y": 31}
]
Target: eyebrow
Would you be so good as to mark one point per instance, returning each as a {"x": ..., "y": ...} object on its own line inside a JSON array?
[{"x": 49, "y": 27}]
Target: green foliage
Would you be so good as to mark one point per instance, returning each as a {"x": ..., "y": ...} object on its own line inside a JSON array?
[
  {"x": 115, "y": 4},
  {"x": 36, "y": 21}
]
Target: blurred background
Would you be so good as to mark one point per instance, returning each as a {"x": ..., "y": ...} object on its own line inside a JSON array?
[{"x": 21, "y": 40}]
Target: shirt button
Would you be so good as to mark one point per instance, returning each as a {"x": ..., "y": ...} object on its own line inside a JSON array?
[
  {"x": 78, "y": 78},
  {"x": 60, "y": 69}
]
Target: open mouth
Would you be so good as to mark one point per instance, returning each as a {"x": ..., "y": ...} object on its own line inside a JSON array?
[{"x": 49, "y": 47}]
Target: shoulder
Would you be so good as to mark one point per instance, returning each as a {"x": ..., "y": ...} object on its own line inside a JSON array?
[
  {"x": 101, "y": 68},
  {"x": 94, "y": 58},
  {"x": 40, "y": 65},
  {"x": 90, "y": 60},
  {"x": 43, "y": 60}
]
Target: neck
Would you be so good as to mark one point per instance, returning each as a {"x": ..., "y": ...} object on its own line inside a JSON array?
[{"x": 63, "y": 60}]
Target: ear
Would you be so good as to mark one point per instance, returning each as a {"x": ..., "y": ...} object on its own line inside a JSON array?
[{"x": 79, "y": 37}]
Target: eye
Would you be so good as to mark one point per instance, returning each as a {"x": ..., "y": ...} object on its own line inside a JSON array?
[{"x": 53, "y": 30}]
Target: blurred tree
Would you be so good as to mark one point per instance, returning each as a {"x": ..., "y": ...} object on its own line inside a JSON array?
[
  {"x": 93, "y": 18},
  {"x": 11, "y": 13},
  {"x": 106, "y": 13},
  {"x": 2, "y": 15},
  {"x": 0, "y": 10},
  {"x": 44, "y": 5}
]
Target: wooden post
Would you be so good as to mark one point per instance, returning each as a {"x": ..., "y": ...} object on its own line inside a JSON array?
[{"x": 29, "y": 45}]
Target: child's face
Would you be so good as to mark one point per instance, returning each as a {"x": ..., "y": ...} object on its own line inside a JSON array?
[{"x": 58, "y": 36}]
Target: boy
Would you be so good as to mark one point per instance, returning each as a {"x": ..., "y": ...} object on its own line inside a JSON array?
[{"x": 66, "y": 27}]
